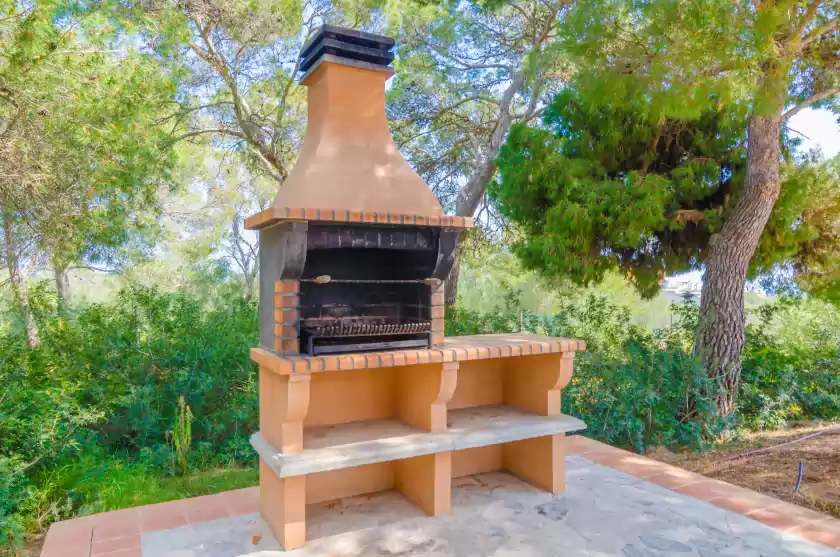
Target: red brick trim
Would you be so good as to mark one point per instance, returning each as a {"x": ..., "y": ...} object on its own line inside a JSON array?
[
  {"x": 118, "y": 533},
  {"x": 808, "y": 524},
  {"x": 449, "y": 349},
  {"x": 278, "y": 214}
]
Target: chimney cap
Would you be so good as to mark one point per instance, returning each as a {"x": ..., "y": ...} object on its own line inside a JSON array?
[{"x": 354, "y": 46}]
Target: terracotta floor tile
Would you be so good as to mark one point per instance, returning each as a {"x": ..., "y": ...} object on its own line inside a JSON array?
[
  {"x": 242, "y": 501},
  {"x": 69, "y": 541},
  {"x": 675, "y": 478},
  {"x": 606, "y": 455},
  {"x": 634, "y": 465},
  {"x": 578, "y": 444},
  {"x": 163, "y": 516},
  {"x": 826, "y": 532},
  {"x": 165, "y": 522},
  {"x": 128, "y": 552},
  {"x": 71, "y": 525},
  {"x": 116, "y": 524},
  {"x": 804, "y": 515},
  {"x": 707, "y": 489},
  {"x": 66, "y": 551},
  {"x": 745, "y": 502},
  {"x": 202, "y": 509},
  {"x": 114, "y": 544},
  {"x": 772, "y": 517}
]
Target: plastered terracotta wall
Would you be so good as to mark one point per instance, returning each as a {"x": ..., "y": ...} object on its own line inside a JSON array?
[
  {"x": 350, "y": 396},
  {"x": 480, "y": 382},
  {"x": 476, "y": 461},
  {"x": 348, "y": 150},
  {"x": 325, "y": 486}
]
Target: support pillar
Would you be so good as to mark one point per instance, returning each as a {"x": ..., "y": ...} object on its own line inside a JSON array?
[{"x": 426, "y": 481}]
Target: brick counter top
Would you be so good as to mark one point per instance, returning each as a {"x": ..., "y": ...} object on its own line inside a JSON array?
[{"x": 454, "y": 349}]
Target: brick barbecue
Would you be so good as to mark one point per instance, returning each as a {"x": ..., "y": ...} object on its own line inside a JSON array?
[{"x": 359, "y": 390}]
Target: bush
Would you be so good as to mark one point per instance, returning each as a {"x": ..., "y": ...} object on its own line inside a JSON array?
[
  {"x": 632, "y": 386},
  {"x": 89, "y": 420},
  {"x": 106, "y": 381},
  {"x": 791, "y": 367}
]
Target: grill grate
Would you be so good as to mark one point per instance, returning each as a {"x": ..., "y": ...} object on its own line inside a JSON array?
[{"x": 367, "y": 329}]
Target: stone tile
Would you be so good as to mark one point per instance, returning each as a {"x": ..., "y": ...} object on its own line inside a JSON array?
[{"x": 604, "y": 512}]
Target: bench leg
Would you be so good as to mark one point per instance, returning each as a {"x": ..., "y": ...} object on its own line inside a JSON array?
[
  {"x": 540, "y": 461},
  {"x": 283, "y": 506},
  {"x": 426, "y": 481}
]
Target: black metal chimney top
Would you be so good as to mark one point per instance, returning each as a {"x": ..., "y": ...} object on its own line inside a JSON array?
[{"x": 349, "y": 44}]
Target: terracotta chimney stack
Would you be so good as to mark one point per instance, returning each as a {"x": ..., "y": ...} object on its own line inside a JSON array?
[{"x": 349, "y": 160}]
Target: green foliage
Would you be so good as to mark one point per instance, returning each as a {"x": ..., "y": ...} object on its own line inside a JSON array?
[
  {"x": 642, "y": 388},
  {"x": 790, "y": 364},
  {"x": 84, "y": 154},
  {"x": 618, "y": 186},
  {"x": 632, "y": 386},
  {"x": 107, "y": 381},
  {"x": 180, "y": 437}
]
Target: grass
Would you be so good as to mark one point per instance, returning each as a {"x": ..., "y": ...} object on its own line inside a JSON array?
[{"x": 136, "y": 489}]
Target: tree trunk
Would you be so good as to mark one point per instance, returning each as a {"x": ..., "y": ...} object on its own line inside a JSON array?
[
  {"x": 21, "y": 295},
  {"x": 450, "y": 292},
  {"x": 62, "y": 286},
  {"x": 470, "y": 195},
  {"x": 720, "y": 329}
]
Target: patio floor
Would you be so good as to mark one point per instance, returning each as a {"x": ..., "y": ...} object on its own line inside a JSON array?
[{"x": 616, "y": 503}]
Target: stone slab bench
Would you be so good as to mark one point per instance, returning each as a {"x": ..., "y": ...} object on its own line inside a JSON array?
[{"x": 372, "y": 441}]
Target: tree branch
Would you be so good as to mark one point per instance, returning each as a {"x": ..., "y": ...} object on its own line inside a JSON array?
[
  {"x": 818, "y": 32},
  {"x": 807, "y": 18},
  {"x": 96, "y": 269},
  {"x": 224, "y": 131},
  {"x": 822, "y": 95},
  {"x": 467, "y": 65}
]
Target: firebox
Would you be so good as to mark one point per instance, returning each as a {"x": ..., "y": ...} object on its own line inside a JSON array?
[{"x": 355, "y": 249}]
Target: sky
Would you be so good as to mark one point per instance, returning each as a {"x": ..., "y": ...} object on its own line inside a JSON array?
[{"x": 818, "y": 128}]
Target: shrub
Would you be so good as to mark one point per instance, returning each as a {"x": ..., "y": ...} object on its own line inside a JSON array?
[{"x": 107, "y": 381}]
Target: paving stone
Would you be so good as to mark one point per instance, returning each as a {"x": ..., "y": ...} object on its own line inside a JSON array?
[
  {"x": 662, "y": 543},
  {"x": 604, "y": 512},
  {"x": 556, "y": 510}
]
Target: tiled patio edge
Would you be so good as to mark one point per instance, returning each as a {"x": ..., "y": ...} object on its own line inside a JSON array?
[
  {"x": 802, "y": 522},
  {"x": 118, "y": 533}
]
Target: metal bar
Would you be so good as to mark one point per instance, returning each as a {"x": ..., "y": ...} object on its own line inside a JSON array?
[
  {"x": 364, "y": 281},
  {"x": 335, "y": 348}
]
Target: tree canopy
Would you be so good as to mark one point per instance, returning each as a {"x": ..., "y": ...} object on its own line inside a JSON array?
[{"x": 616, "y": 186}]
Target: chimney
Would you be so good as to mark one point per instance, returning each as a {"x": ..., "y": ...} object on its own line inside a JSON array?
[{"x": 349, "y": 160}]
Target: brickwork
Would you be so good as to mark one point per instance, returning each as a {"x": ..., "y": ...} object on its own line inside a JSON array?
[
  {"x": 277, "y": 214},
  {"x": 451, "y": 349},
  {"x": 286, "y": 314}
]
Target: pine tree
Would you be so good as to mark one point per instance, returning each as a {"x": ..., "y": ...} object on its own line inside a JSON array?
[{"x": 681, "y": 76}]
